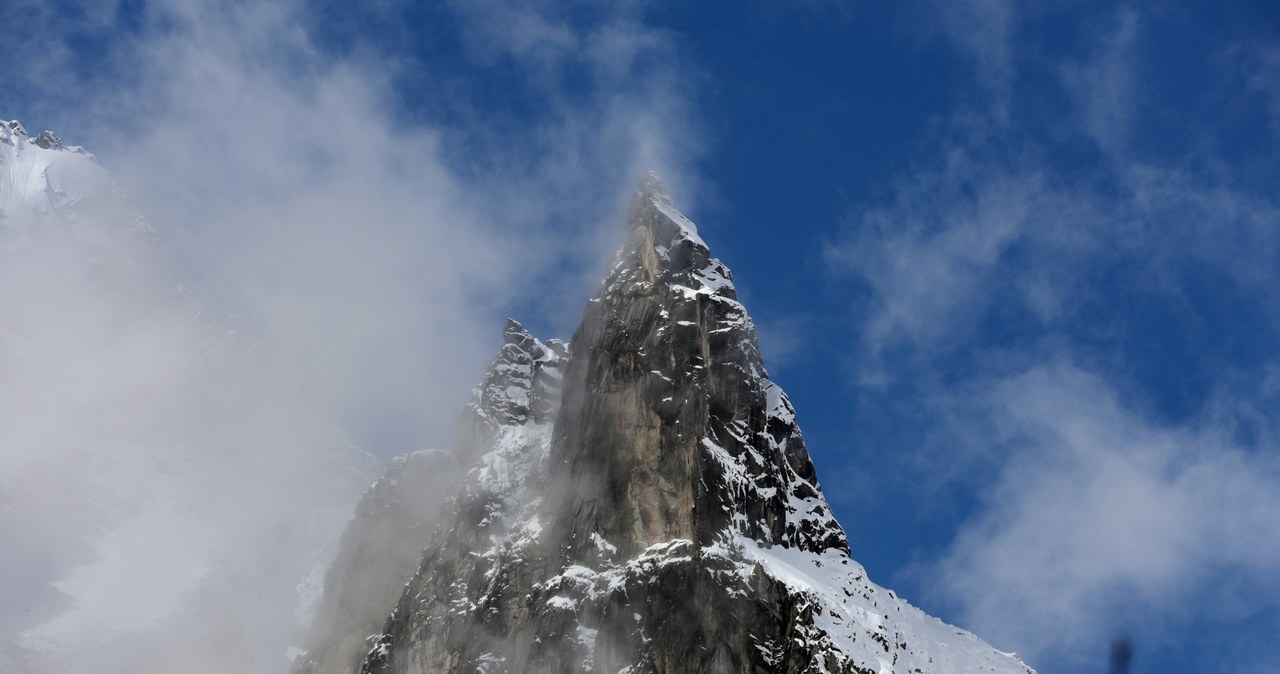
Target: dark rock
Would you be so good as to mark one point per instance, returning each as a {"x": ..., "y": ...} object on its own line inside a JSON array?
[{"x": 48, "y": 140}]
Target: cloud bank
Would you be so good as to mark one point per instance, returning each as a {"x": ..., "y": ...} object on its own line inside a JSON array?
[
  {"x": 1103, "y": 518},
  {"x": 307, "y": 264}
]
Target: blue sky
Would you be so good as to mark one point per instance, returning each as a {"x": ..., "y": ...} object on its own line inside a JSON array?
[{"x": 1016, "y": 265}]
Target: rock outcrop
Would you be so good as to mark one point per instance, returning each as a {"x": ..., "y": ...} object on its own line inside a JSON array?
[
  {"x": 502, "y": 441},
  {"x": 643, "y": 501}
]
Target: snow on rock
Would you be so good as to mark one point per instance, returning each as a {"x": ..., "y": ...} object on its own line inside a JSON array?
[
  {"x": 42, "y": 177},
  {"x": 870, "y": 626},
  {"x": 643, "y": 501},
  {"x": 502, "y": 442}
]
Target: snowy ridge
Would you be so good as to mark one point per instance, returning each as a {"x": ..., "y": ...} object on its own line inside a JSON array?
[
  {"x": 654, "y": 191},
  {"x": 42, "y": 177},
  {"x": 855, "y": 624},
  {"x": 870, "y": 627}
]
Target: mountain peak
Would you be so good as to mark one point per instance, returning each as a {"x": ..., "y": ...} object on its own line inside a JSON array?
[
  {"x": 655, "y": 224},
  {"x": 652, "y": 184},
  {"x": 48, "y": 140},
  {"x": 515, "y": 333},
  {"x": 51, "y": 181},
  {"x": 662, "y": 514},
  {"x": 12, "y": 132}
]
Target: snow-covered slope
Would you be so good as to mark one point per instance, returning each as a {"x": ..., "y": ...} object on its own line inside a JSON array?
[
  {"x": 41, "y": 176},
  {"x": 665, "y": 518}
]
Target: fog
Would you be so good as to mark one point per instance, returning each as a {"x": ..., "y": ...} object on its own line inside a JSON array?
[{"x": 287, "y": 279}]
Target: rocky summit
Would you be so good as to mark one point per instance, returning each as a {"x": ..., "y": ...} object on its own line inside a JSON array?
[{"x": 640, "y": 500}]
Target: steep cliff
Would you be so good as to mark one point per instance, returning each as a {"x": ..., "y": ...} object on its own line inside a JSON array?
[{"x": 666, "y": 519}]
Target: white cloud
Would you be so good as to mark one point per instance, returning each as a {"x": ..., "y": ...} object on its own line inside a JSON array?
[
  {"x": 1102, "y": 519},
  {"x": 931, "y": 256},
  {"x": 322, "y": 272},
  {"x": 993, "y": 219}
]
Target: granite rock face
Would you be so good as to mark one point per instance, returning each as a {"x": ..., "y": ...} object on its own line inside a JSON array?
[{"x": 643, "y": 501}]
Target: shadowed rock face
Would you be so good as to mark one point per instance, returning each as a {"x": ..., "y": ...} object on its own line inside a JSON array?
[{"x": 643, "y": 501}]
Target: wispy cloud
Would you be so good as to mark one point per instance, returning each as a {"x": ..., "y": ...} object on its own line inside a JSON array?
[
  {"x": 1105, "y": 88},
  {"x": 931, "y": 257},
  {"x": 1102, "y": 518},
  {"x": 994, "y": 218},
  {"x": 982, "y": 32},
  {"x": 1012, "y": 292},
  {"x": 1262, "y": 75}
]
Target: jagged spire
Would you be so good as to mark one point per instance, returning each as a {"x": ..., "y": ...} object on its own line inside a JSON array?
[
  {"x": 691, "y": 417},
  {"x": 675, "y": 522},
  {"x": 514, "y": 333},
  {"x": 658, "y": 234}
]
